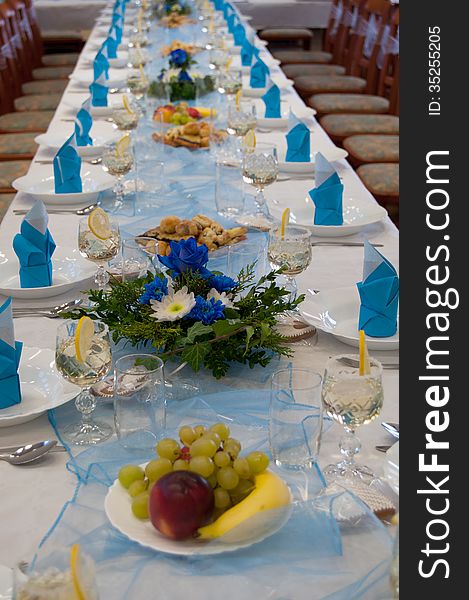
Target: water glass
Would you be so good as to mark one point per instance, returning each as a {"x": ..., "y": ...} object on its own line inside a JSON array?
[
  {"x": 139, "y": 400},
  {"x": 260, "y": 169},
  {"x": 245, "y": 253},
  {"x": 295, "y": 418},
  {"x": 291, "y": 249},
  {"x": 99, "y": 250},
  {"x": 138, "y": 254},
  {"x": 229, "y": 189}
]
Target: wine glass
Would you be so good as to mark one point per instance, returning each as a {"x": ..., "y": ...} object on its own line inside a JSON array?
[
  {"x": 352, "y": 400},
  {"x": 260, "y": 169},
  {"x": 138, "y": 254},
  {"x": 97, "y": 249},
  {"x": 85, "y": 371},
  {"x": 229, "y": 83},
  {"x": 290, "y": 249},
  {"x": 125, "y": 120},
  {"x": 242, "y": 118},
  {"x": 138, "y": 85},
  {"x": 118, "y": 163},
  {"x": 137, "y": 58}
]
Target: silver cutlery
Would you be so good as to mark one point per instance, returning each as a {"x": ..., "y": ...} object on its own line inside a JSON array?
[
  {"x": 92, "y": 161},
  {"x": 350, "y": 244},
  {"x": 392, "y": 428},
  {"x": 28, "y": 453},
  {"x": 383, "y": 448},
  {"x": 352, "y": 362},
  {"x": 50, "y": 312},
  {"x": 10, "y": 449},
  {"x": 56, "y": 211}
]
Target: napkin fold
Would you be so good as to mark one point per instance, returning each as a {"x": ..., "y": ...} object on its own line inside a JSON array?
[
  {"x": 248, "y": 51},
  {"x": 99, "y": 90},
  {"x": 298, "y": 140},
  {"x": 83, "y": 124},
  {"x": 239, "y": 34},
  {"x": 118, "y": 32},
  {"x": 10, "y": 355},
  {"x": 34, "y": 247},
  {"x": 231, "y": 21},
  {"x": 101, "y": 63},
  {"x": 259, "y": 74},
  {"x": 379, "y": 295},
  {"x": 327, "y": 195},
  {"x": 272, "y": 102},
  {"x": 67, "y": 165},
  {"x": 111, "y": 44}
]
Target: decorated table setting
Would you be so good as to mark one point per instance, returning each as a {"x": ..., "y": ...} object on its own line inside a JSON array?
[{"x": 198, "y": 308}]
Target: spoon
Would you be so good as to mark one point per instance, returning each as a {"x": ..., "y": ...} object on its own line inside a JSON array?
[
  {"x": 80, "y": 211},
  {"x": 45, "y": 311},
  {"x": 29, "y": 453},
  {"x": 92, "y": 161},
  {"x": 392, "y": 428}
]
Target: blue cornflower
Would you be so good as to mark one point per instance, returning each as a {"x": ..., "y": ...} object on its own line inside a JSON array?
[
  {"x": 154, "y": 290},
  {"x": 207, "y": 311},
  {"x": 222, "y": 283},
  {"x": 186, "y": 255}
]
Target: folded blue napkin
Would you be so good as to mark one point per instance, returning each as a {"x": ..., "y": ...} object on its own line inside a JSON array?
[
  {"x": 34, "y": 247},
  {"x": 118, "y": 32},
  {"x": 227, "y": 10},
  {"x": 111, "y": 44},
  {"x": 231, "y": 21},
  {"x": 10, "y": 355},
  {"x": 327, "y": 195},
  {"x": 98, "y": 90},
  {"x": 239, "y": 34},
  {"x": 247, "y": 53},
  {"x": 118, "y": 19},
  {"x": 219, "y": 4},
  {"x": 83, "y": 124},
  {"x": 101, "y": 63},
  {"x": 379, "y": 295},
  {"x": 67, "y": 165},
  {"x": 272, "y": 102},
  {"x": 298, "y": 141},
  {"x": 259, "y": 74}
]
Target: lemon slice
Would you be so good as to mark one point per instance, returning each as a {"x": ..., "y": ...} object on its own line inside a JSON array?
[
  {"x": 238, "y": 98},
  {"x": 249, "y": 139},
  {"x": 285, "y": 220},
  {"x": 364, "y": 368},
  {"x": 99, "y": 225},
  {"x": 123, "y": 145},
  {"x": 83, "y": 338},
  {"x": 228, "y": 63},
  {"x": 127, "y": 105},
  {"x": 75, "y": 565},
  {"x": 143, "y": 77}
]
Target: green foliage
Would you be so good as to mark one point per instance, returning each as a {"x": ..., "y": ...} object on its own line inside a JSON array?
[
  {"x": 247, "y": 335},
  {"x": 183, "y": 90}
]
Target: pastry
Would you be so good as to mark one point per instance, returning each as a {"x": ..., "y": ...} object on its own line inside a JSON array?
[{"x": 192, "y": 135}]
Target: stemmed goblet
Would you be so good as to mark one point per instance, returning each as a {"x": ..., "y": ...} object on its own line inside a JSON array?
[
  {"x": 100, "y": 249},
  {"x": 260, "y": 169}
]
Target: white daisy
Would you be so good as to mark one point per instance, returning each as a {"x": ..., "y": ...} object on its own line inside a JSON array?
[
  {"x": 222, "y": 297},
  {"x": 174, "y": 306}
]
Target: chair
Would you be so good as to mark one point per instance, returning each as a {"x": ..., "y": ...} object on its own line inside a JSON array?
[
  {"x": 382, "y": 180},
  {"x": 9, "y": 171},
  {"x": 364, "y": 149}
]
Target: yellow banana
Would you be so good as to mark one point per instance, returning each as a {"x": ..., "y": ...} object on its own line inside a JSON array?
[{"x": 270, "y": 492}]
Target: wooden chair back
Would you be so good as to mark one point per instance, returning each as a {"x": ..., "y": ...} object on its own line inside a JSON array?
[
  {"x": 13, "y": 74},
  {"x": 13, "y": 29},
  {"x": 388, "y": 63},
  {"x": 19, "y": 6}
]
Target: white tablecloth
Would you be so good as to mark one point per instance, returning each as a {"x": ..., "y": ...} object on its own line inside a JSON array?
[{"x": 32, "y": 496}]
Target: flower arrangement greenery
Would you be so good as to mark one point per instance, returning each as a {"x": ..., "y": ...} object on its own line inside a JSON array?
[{"x": 202, "y": 317}]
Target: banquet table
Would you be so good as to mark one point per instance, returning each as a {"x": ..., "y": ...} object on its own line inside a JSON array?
[{"x": 32, "y": 496}]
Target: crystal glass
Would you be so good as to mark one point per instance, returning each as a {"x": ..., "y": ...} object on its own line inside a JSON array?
[
  {"x": 92, "y": 367},
  {"x": 118, "y": 164},
  {"x": 229, "y": 83},
  {"x": 138, "y": 254},
  {"x": 352, "y": 400},
  {"x": 260, "y": 169},
  {"x": 229, "y": 190},
  {"x": 98, "y": 250},
  {"x": 137, "y": 85},
  {"x": 137, "y": 58},
  {"x": 246, "y": 253},
  {"x": 125, "y": 120},
  {"x": 295, "y": 418},
  {"x": 291, "y": 250},
  {"x": 139, "y": 400},
  {"x": 218, "y": 58},
  {"x": 138, "y": 40},
  {"x": 241, "y": 118}
]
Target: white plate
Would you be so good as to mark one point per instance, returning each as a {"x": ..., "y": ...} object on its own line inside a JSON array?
[
  {"x": 117, "y": 507},
  {"x": 76, "y": 100},
  {"x": 331, "y": 154},
  {"x": 282, "y": 122},
  {"x": 86, "y": 60},
  {"x": 101, "y": 133},
  {"x": 391, "y": 467},
  {"x": 69, "y": 270},
  {"x": 6, "y": 583},
  {"x": 42, "y": 388},
  {"x": 249, "y": 92},
  {"x": 356, "y": 216},
  {"x": 336, "y": 312},
  {"x": 94, "y": 181},
  {"x": 117, "y": 78}
]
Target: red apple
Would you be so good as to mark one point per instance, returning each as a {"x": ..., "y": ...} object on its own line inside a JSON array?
[
  {"x": 180, "y": 502},
  {"x": 194, "y": 113}
]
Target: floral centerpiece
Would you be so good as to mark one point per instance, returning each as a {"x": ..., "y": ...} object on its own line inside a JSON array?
[
  {"x": 183, "y": 84},
  {"x": 202, "y": 317}
]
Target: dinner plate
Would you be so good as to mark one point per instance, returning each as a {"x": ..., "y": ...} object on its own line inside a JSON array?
[
  {"x": 249, "y": 92},
  {"x": 282, "y": 122},
  {"x": 391, "y": 467},
  {"x": 94, "y": 181},
  {"x": 6, "y": 583},
  {"x": 117, "y": 506},
  {"x": 69, "y": 270},
  {"x": 101, "y": 133},
  {"x": 120, "y": 62},
  {"x": 332, "y": 154},
  {"x": 42, "y": 387},
  {"x": 356, "y": 215},
  {"x": 76, "y": 100},
  {"x": 336, "y": 312},
  {"x": 84, "y": 78}
]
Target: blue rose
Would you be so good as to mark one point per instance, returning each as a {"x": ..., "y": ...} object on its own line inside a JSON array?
[
  {"x": 184, "y": 76},
  {"x": 186, "y": 256},
  {"x": 207, "y": 311},
  {"x": 178, "y": 57},
  {"x": 155, "y": 290},
  {"x": 222, "y": 283}
]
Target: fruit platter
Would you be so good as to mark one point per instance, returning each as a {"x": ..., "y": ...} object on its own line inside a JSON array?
[
  {"x": 194, "y": 136},
  {"x": 178, "y": 45},
  {"x": 180, "y": 113},
  {"x": 197, "y": 494}
]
